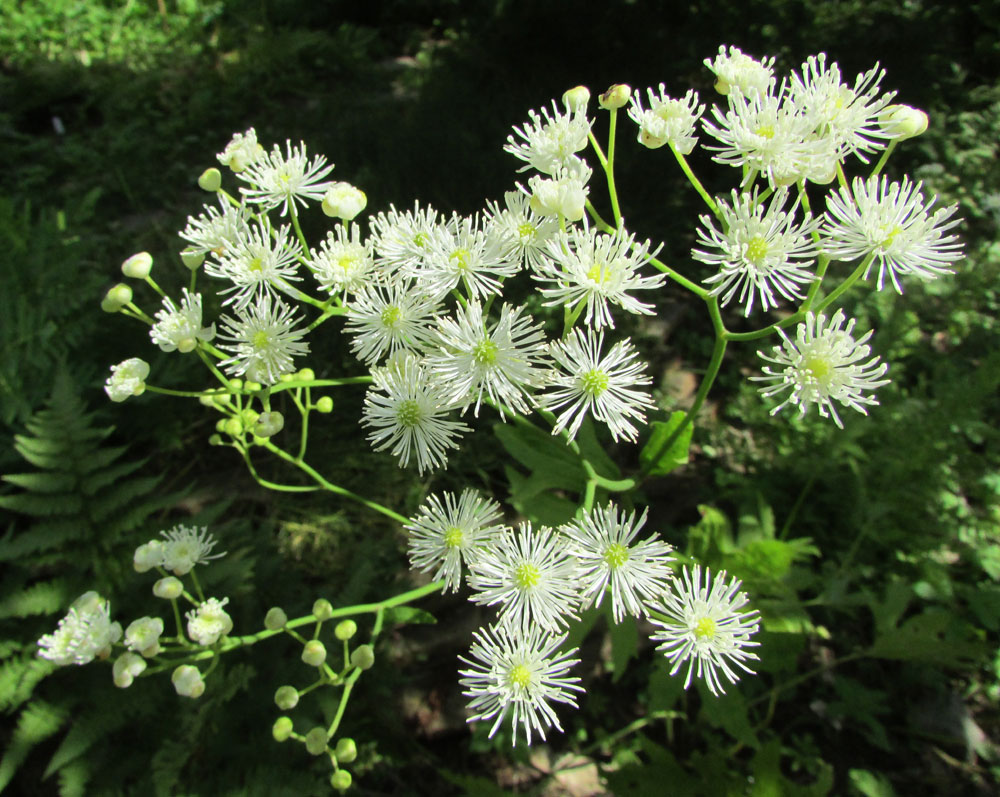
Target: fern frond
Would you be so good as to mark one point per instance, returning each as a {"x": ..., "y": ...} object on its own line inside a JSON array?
[
  {"x": 37, "y": 722},
  {"x": 45, "y": 597}
]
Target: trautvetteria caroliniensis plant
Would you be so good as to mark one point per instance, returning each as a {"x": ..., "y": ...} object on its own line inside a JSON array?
[{"x": 427, "y": 301}]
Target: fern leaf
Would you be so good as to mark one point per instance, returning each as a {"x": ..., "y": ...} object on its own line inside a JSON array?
[
  {"x": 37, "y": 722},
  {"x": 46, "y": 597},
  {"x": 35, "y": 505},
  {"x": 73, "y": 779},
  {"x": 42, "y": 482},
  {"x": 18, "y": 677}
]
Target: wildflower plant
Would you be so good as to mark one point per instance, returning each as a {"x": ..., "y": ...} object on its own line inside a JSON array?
[{"x": 423, "y": 298}]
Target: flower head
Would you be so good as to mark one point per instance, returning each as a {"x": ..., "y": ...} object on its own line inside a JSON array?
[
  {"x": 736, "y": 70},
  {"x": 702, "y": 624},
  {"x": 761, "y": 250},
  {"x": 444, "y": 533},
  {"x": 263, "y": 340},
  {"x": 893, "y": 224},
  {"x": 209, "y": 621},
  {"x": 563, "y": 194},
  {"x": 278, "y": 180},
  {"x": 83, "y": 634},
  {"x": 606, "y": 387},
  {"x": 389, "y": 316},
  {"x": 179, "y": 328},
  {"x": 549, "y": 140},
  {"x": 127, "y": 379},
  {"x": 402, "y": 238},
  {"x": 143, "y": 635},
  {"x": 343, "y": 263},
  {"x": 667, "y": 120},
  {"x": 822, "y": 365},
  {"x": 215, "y": 231},
  {"x": 520, "y": 674},
  {"x": 261, "y": 261},
  {"x": 187, "y": 546},
  {"x": 525, "y": 232},
  {"x": 604, "y": 548},
  {"x": 241, "y": 151}
]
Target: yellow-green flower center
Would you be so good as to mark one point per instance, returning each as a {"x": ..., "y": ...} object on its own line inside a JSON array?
[
  {"x": 485, "y": 352},
  {"x": 408, "y": 413},
  {"x": 526, "y": 231},
  {"x": 260, "y": 340},
  {"x": 599, "y": 273},
  {"x": 820, "y": 368},
  {"x": 256, "y": 264},
  {"x": 757, "y": 250},
  {"x": 889, "y": 235},
  {"x": 420, "y": 240},
  {"x": 616, "y": 555},
  {"x": 347, "y": 262},
  {"x": 765, "y": 131},
  {"x": 454, "y": 537},
  {"x": 526, "y": 576},
  {"x": 705, "y": 628},
  {"x": 461, "y": 258},
  {"x": 390, "y": 316},
  {"x": 594, "y": 382},
  {"x": 519, "y": 676}
]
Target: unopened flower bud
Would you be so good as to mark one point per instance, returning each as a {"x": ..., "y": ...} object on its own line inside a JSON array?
[
  {"x": 187, "y": 681},
  {"x": 615, "y": 97},
  {"x": 138, "y": 266},
  {"x": 147, "y": 556},
  {"x": 322, "y": 609},
  {"x": 324, "y": 405},
  {"x": 192, "y": 260},
  {"x": 143, "y": 635},
  {"x": 251, "y": 386},
  {"x": 214, "y": 440},
  {"x": 341, "y": 780},
  {"x": 268, "y": 423},
  {"x": 345, "y": 630},
  {"x": 169, "y": 588},
  {"x": 233, "y": 427},
  {"x": 346, "y": 751},
  {"x": 282, "y": 729},
  {"x": 286, "y": 698},
  {"x": 116, "y": 298},
  {"x": 316, "y": 741},
  {"x": 576, "y": 98},
  {"x": 314, "y": 653},
  {"x": 363, "y": 657},
  {"x": 344, "y": 201},
  {"x": 210, "y": 180},
  {"x": 902, "y": 121},
  {"x": 305, "y": 375},
  {"x": 126, "y": 668},
  {"x": 275, "y": 618}
]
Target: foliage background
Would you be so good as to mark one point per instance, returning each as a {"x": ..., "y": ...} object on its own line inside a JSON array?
[{"x": 882, "y": 538}]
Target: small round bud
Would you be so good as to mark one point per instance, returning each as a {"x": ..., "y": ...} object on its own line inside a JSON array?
[
  {"x": 305, "y": 375},
  {"x": 187, "y": 681},
  {"x": 268, "y": 423},
  {"x": 324, "y": 405},
  {"x": 341, "y": 780},
  {"x": 902, "y": 121},
  {"x": 116, "y": 298},
  {"x": 345, "y": 630},
  {"x": 316, "y": 741},
  {"x": 322, "y": 609},
  {"x": 314, "y": 653},
  {"x": 249, "y": 416},
  {"x": 233, "y": 427},
  {"x": 576, "y": 98},
  {"x": 615, "y": 97},
  {"x": 363, "y": 657},
  {"x": 147, "y": 556},
  {"x": 286, "y": 698},
  {"x": 214, "y": 440},
  {"x": 210, "y": 180},
  {"x": 275, "y": 618},
  {"x": 282, "y": 729},
  {"x": 344, "y": 201},
  {"x": 286, "y": 377},
  {"x": 236, "y": 384},
  {"x": 220, "y": 425},
  {"x": 169, "y": 588},
  {"x": 138, "y": 266},
  {"x": 346, "y": 751},
  {"x": 252, "y": 386},
  {"x": 192, "y": 260},
  {"x": 126, "y": 668}
]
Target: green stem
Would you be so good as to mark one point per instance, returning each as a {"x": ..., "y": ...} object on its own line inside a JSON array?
[
  {"x": 696, "y": 182},
  {"x": 885, "y": 157},
  {"x": 696, "y": 289},
  {"x": 863, "y": 266}
]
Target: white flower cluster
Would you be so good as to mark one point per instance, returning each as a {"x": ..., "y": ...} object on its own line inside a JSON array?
[{"x": 539, "y": 578}]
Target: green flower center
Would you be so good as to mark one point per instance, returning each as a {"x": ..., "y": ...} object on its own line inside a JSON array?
[
  {"x": 347, "y": 262},
  {"x": 390, "y": 316},
  {"x": 705, "y": 628},
  {"x": 257, "y": 264},
  {"x": 594, "y": 382},
  {"x": 757, "y": 250},
  {"x": 260, "y": 340},
  {"x": 408, "y": 413},
  {"x": 519, "y": 676},
  {"x": 889, "y": 235},
  {"x": 420, "y": 239},
  {"x": 526, "y": 231},
  {"x": 454, "y": 537},
  {"x": 615, "y": 555},
  {"x": 460, "y": 257},
  {"x": 599, "y": 273},
  {"x": 526, "y": 576},
  {"x": 820, "y": 368},
  {"x": 485, "y": 352},
  {"x": 765, "y": 131}
]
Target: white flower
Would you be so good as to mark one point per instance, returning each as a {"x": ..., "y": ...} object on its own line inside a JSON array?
[
  {"x": 187, "y": 546},
  {"x": 259, "y": 262},
  {"x": 263, "y": 340},
  {"x": 893, "y": 223},
  {"x": 736, "y": 70},
  {"x": 822, "y": 365},
  {"x": 187, "y": 681},
  {"x": 532, "y": 573},
  {"x": 525, "y": 231},
  {"x": 520, "y": 674},
  {"x": 390, "y": 317},
  {"x": 83, "y": 634},
  {"x": 281, "y": 180},
  {"x": 503, "y": 360},
  {"x": 464, "y": 253},
  {"x": 564, "y": 194},
  {"x": 343, "y": 264},
  {"x": 215, "y": 231},
  {"x": 668, "y": 120},
  {"x": 408, "y": 411},
  {"x": 444, "y": 533},
  {"x": 209, "y": 621},
  {"x": 549, "y": 141},
  {"x": 241, "y": 151},
  {"x": 585, "y": 265},
  {"x": 344, "y": 201},
  {"x": 127, "y": 379},
  {"x": 607, "y": 556},
  {"x": 148, "y": 555},
  {"x": 605, "y": 387},
  {"x": 143, "y": 635},
  {"x": 849, "y": 116},
  {"x": 702, "y": 625},
  {"x": 402, "y": 239},
  {"x": 126, "y": 668},
  {"x": 759, "y": 250},
  {"x": 179, "y": 328}
]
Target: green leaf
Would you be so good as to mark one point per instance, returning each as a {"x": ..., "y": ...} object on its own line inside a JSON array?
[
  {"x": 871, "y": 784},
  {"x": 672, "y": 457},
  {"x": 730, "y": 713},
  {"x": 542, "y": 454},
  {"x": 624, "y": 642},
  {"x": 529, "y": 496},
  {"x": 711, "y": 537},
  {"x": 594, "y": 452},
  {"x": 935, "y": 635},
  {"x": 397, "y": 615}
]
